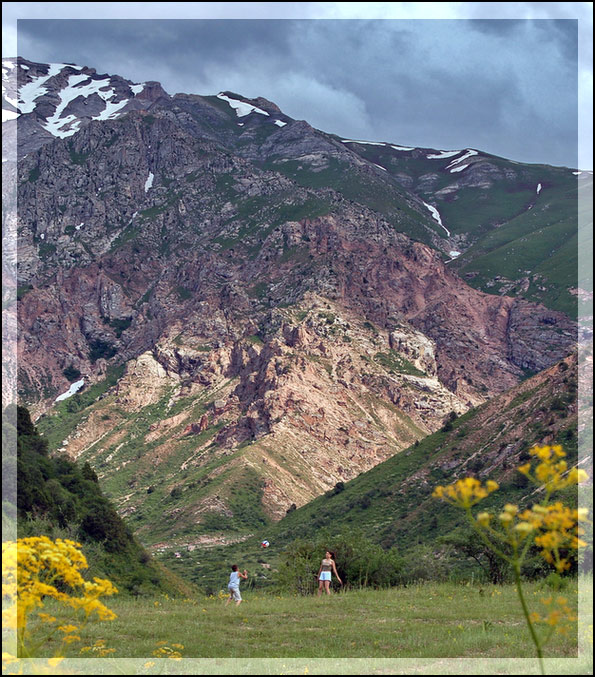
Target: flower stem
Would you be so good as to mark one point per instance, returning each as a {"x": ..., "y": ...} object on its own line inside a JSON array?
[{"x": 519, "y": 589}]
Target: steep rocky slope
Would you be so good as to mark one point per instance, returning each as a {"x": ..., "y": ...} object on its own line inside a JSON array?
[{"x": 509, "y": 227}]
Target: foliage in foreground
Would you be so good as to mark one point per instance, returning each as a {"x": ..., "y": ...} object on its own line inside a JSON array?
[
  {"x": 549, "y": 525},
  {"x": 36, "y": 570}
]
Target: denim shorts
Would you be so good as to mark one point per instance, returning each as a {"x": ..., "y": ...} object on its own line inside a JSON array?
[{"x": 325, "y": 576}]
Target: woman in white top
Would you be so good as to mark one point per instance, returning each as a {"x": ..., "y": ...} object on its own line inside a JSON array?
[
  {"x": 234, "y": 585},
  {"x": 324, "y": 573}
]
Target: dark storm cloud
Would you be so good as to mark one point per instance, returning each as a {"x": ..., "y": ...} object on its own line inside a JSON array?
[
  {"x": 563, "y": 34},
  {"x": 496, "y": 26},
  {"x": 507, "y": 87}
]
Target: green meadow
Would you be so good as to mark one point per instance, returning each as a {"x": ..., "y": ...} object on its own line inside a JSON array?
[{"x": 429, "y": 620}]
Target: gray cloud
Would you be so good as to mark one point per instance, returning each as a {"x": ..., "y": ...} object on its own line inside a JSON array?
[{"x": 507, "y": 87}]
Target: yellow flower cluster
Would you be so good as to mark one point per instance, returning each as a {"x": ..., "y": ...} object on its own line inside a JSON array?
[
  {"x": 37, "y": 568},
  {"x": 558, "y": 529},
  {"x": 466, "y": 492},
  {"x": 555, "y": 528},
  {"x": 552, "y": 472},
  {"x": 172, "y": 652},
  {"x": 551, "y": 526},
  {"x": 98, "y": 649},
  {"x": 559, "y": 617}
]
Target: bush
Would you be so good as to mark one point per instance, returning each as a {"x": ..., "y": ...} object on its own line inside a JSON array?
[
  {"x": 360, "y": 563},
  {"x": 71, "y": 373}
]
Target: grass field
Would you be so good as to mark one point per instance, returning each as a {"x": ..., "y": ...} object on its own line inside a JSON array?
[{"x": 422, "y": 621}]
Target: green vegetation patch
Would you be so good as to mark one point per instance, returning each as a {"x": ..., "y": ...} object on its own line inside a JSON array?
[
  {"x": 22, "y": 290},
  {"x": 258, "y": 291},
  {"x": 71, "y": 373},
  {"x": 68, "y": 414},
  {"x": 101, "y": 349},
  {"x": 254, "y": 340},
  {"x": 129, "y": 233},
  {"x": 183, "y": 293},
  {"x": 396, "y": 363},
  {"x": 46, "y": 249},
  {"x": 77, "y": 158},
  {"x": 120, "y": 325},
  {"x": 59, "y": 498},
  {"x": 363, "y": 627}
]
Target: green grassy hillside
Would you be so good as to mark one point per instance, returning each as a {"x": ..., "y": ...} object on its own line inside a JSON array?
[{"x": 514, "y": 239}]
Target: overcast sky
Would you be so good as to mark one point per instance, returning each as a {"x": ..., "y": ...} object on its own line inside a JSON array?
[{"x": 509, "y": 87}]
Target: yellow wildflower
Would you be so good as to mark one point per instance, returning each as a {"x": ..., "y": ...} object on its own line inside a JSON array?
[
  {"x": 465, "y": 492},
  {"x": 52, "y": 662}
]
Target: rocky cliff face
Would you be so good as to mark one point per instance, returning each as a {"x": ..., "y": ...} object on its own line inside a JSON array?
[{"x": 279, "y": 334}]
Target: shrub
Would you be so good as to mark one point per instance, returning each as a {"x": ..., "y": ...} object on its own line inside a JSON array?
[
  {"x": 360, "y": 563},
  {"x": 71, "y": 373}
]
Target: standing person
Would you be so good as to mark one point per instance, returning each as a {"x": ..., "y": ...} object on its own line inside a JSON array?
[
  {"x": 234, "y": 585},
  {"x": 324, "y": 573}
]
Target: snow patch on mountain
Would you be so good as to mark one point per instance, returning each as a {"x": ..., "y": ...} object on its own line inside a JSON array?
[
  {"x": 458, "y": 169},
  {"x": 280, "y": 123},
  {"x": 377, "y": 143},
  {"x": 365, "y": 143},
  {"x": 436, "y": 216},
  {"x": 538, "y": 189},
  {"x": 149, "y": 181},
  {"x": 241, "y": 107},
  {"x": 466, "y": 156},
  {"x": 33, "y": 90},
  {"x": 74, "y": 388},
  {"x": 110, "y": 110},
  {"x": 9, "y": 115},
  {"x": 443, "y": 154}
]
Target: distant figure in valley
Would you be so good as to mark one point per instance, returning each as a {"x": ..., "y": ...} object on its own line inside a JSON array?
[
  {"x": 324, "y": 573},
  {"x": 234, "y": 585}
]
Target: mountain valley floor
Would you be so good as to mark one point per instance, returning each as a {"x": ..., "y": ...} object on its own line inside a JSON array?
[{"x": 433, "y": 620}]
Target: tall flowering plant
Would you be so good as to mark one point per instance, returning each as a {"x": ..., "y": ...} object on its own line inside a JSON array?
[
  {"x": 550, "y": 525},
  {"x": 35, "y": 570}
]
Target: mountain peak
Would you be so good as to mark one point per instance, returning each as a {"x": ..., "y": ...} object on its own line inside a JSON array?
[{"x": 57, "y": 99}]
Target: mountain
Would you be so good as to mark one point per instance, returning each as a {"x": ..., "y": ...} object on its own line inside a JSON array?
[
  {"x": 56, "y": 100},
  {"x": 226, "y": 311},
  {"x": 508, "y": 227},
  {"x": 512, "y": 226},
  {"x": 392, "y": 503}
]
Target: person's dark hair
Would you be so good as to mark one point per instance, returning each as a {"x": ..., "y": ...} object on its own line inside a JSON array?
[
  {"x": 234, "y": 567},
  {"x": 331, "y": 553}
]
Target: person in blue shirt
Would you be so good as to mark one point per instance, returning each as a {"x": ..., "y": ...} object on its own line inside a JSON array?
[{"x": 234, "y": 585}]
